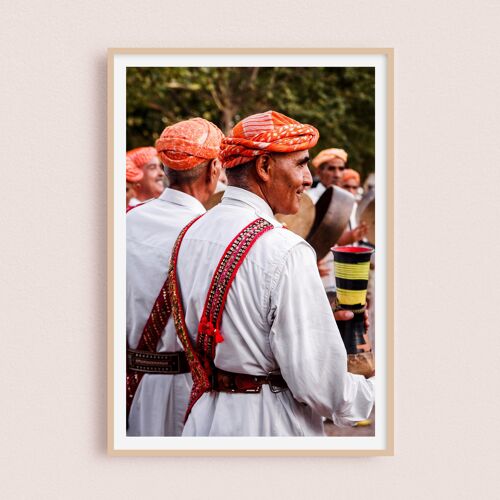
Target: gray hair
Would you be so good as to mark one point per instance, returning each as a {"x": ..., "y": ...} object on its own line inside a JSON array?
[
  {"x": 238, "y": 176},
  {"x": 179, "y": 177}
]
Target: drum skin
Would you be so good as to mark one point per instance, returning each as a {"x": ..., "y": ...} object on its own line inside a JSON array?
[
  {"x": 301, "y": 222},
  {"x": 213, "y": 200}
]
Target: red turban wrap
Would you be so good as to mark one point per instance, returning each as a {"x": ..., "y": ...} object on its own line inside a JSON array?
[
  {"x": 186, "y": 144},
  {"x": 269, "y": 132},
  {"x": 141, "y": 156},
  {"x": 350, "y": 174},
  {"x": 133, "y": 173}
]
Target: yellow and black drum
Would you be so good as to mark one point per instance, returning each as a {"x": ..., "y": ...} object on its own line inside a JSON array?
[{"x": 352, "y": 268}]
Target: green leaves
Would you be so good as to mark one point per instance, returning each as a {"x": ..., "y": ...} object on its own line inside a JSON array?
[{"x": 339, "y": 102}]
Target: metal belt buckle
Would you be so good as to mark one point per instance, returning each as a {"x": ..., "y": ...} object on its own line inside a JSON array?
[{"x": 274, "y": 388}]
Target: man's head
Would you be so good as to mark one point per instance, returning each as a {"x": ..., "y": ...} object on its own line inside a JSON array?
[
  {"x": 151, "y": 184},
  {"x": 267, "y": 154},
  {"x": 133, "y": 176},
  {"x": 331, "y": 164},
  {"x": 189, "y": 151},
  {"x": 351, "y": 181}
]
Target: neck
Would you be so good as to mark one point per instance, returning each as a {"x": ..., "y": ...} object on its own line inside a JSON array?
[
  {"x": 195, "y": 190},
  {"x": 143, "y": 197},
  {"x": 254, "y": 188}
]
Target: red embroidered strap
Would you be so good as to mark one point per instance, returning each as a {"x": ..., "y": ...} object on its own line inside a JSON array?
[
  {"x": 156, "y": 323},
  {"x": 199, "y": 362},
  {"x": 231, "y": 260},
  {"x": 209, "y": 333},
  {"x": 201, "y": 382}
]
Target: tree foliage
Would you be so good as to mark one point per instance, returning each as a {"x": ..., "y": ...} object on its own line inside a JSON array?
[{"x": 339, "y": 102}]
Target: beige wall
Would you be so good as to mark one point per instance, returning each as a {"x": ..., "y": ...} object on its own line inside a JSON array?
[{"x": 53, "y": 275}]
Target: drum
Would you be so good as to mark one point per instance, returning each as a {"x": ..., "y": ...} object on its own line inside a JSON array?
[
  {"x": 301, "y": 222},
  {"x": 333, "y": 210},
  {"x": 352, "y": 268},
  {"x": 366, "y": 213}
]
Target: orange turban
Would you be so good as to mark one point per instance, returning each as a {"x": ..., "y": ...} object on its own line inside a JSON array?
[
  {"x": 186, "y": 144},
  {"x": 329, "y": 154},
  {"x": 141, "y": 156},
  {"x": 349, "y": 174},
  {"x": 269, "y": 132},
  {"x": 133, "y": 173}
]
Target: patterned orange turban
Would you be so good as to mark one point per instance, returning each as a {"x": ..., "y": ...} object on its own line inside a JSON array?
[
  {"x": 141, "y": 156},
  {"x": 349, "y": 174},
  {"x": 133, "y": 173},
  {"x": 329, "y": 154},
  {"x": 186, "y": 144},
  {"x": 269, "y": 132}
]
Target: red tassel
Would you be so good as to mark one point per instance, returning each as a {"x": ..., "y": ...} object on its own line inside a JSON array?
[
  {"x": 218, "y": 336},
  {"x": 205, "y": 327}
]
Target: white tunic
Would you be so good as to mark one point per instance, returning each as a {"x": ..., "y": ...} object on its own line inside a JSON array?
[
  {"x": 160, "y": 402},
  {"x": 316, "y": 192},
  {"x": 277, "y": 316}
]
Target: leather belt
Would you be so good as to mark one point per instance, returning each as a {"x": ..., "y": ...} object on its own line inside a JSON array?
[
  {"x": 246, "y": 384},
  {"x": 167, "y": 363}
]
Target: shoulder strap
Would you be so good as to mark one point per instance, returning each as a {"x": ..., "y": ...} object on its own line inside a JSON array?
[
  {"x": 201, "y": 381},
  {"x": 199, "y": 362},
  {"x": 209, "y": 329},
  {"x": 156, "y": 323},
  {"x": 230, "y": 262}
]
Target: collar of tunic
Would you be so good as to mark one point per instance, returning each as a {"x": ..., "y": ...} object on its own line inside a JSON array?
[
  {"x": 320, "y": 188},
  {"x": 241, "y": 197},
  {"x": 180, "y": 198}
]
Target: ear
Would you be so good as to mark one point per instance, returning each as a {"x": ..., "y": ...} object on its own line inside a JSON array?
[
  {"x": 262, "y": 164},
  {"x": 213, "y": 170}
]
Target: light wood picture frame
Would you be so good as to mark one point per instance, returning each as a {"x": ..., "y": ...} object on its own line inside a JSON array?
[{"x": 382, "y": 442}]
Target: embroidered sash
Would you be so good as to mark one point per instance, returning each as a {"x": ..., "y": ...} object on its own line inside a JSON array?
[
  {"x": 156, "y": 323},
  {"x": 209, "y": 329}
]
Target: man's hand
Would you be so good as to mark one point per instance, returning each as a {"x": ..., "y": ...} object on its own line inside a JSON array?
[
  {"x": 359, "y": 232},
  {"x": 349, "y": 237},
  {"x": 341, "y": 315},
  {"x": 325, "y": 268}
]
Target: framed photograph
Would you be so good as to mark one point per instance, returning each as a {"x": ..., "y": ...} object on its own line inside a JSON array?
[{"x": 333, "y": 108}]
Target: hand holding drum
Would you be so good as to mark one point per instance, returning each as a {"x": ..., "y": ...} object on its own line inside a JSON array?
[{"x": 352, "y": 267}]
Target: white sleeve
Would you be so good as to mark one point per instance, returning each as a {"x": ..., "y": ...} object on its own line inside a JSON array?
[{"x": 307, "y": 345}]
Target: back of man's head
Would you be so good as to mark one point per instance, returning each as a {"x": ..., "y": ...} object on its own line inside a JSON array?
[{"x": 188, "y": 151}]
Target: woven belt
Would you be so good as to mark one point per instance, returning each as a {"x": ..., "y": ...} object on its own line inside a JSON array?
[
  {"x": 246, "y": 384},
  {"x": 167, "y": 363}
]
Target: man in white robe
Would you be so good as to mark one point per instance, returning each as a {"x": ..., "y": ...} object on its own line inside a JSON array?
[
  {"x": 277, "y": 316},
  {"x": 188, "y": 151}
]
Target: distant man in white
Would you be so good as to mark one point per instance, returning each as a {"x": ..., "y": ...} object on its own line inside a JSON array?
[
  {"x": 330, "y": 164},
  {"x": 188, "y": 151},
  {"x": 280, "y": 364}
]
